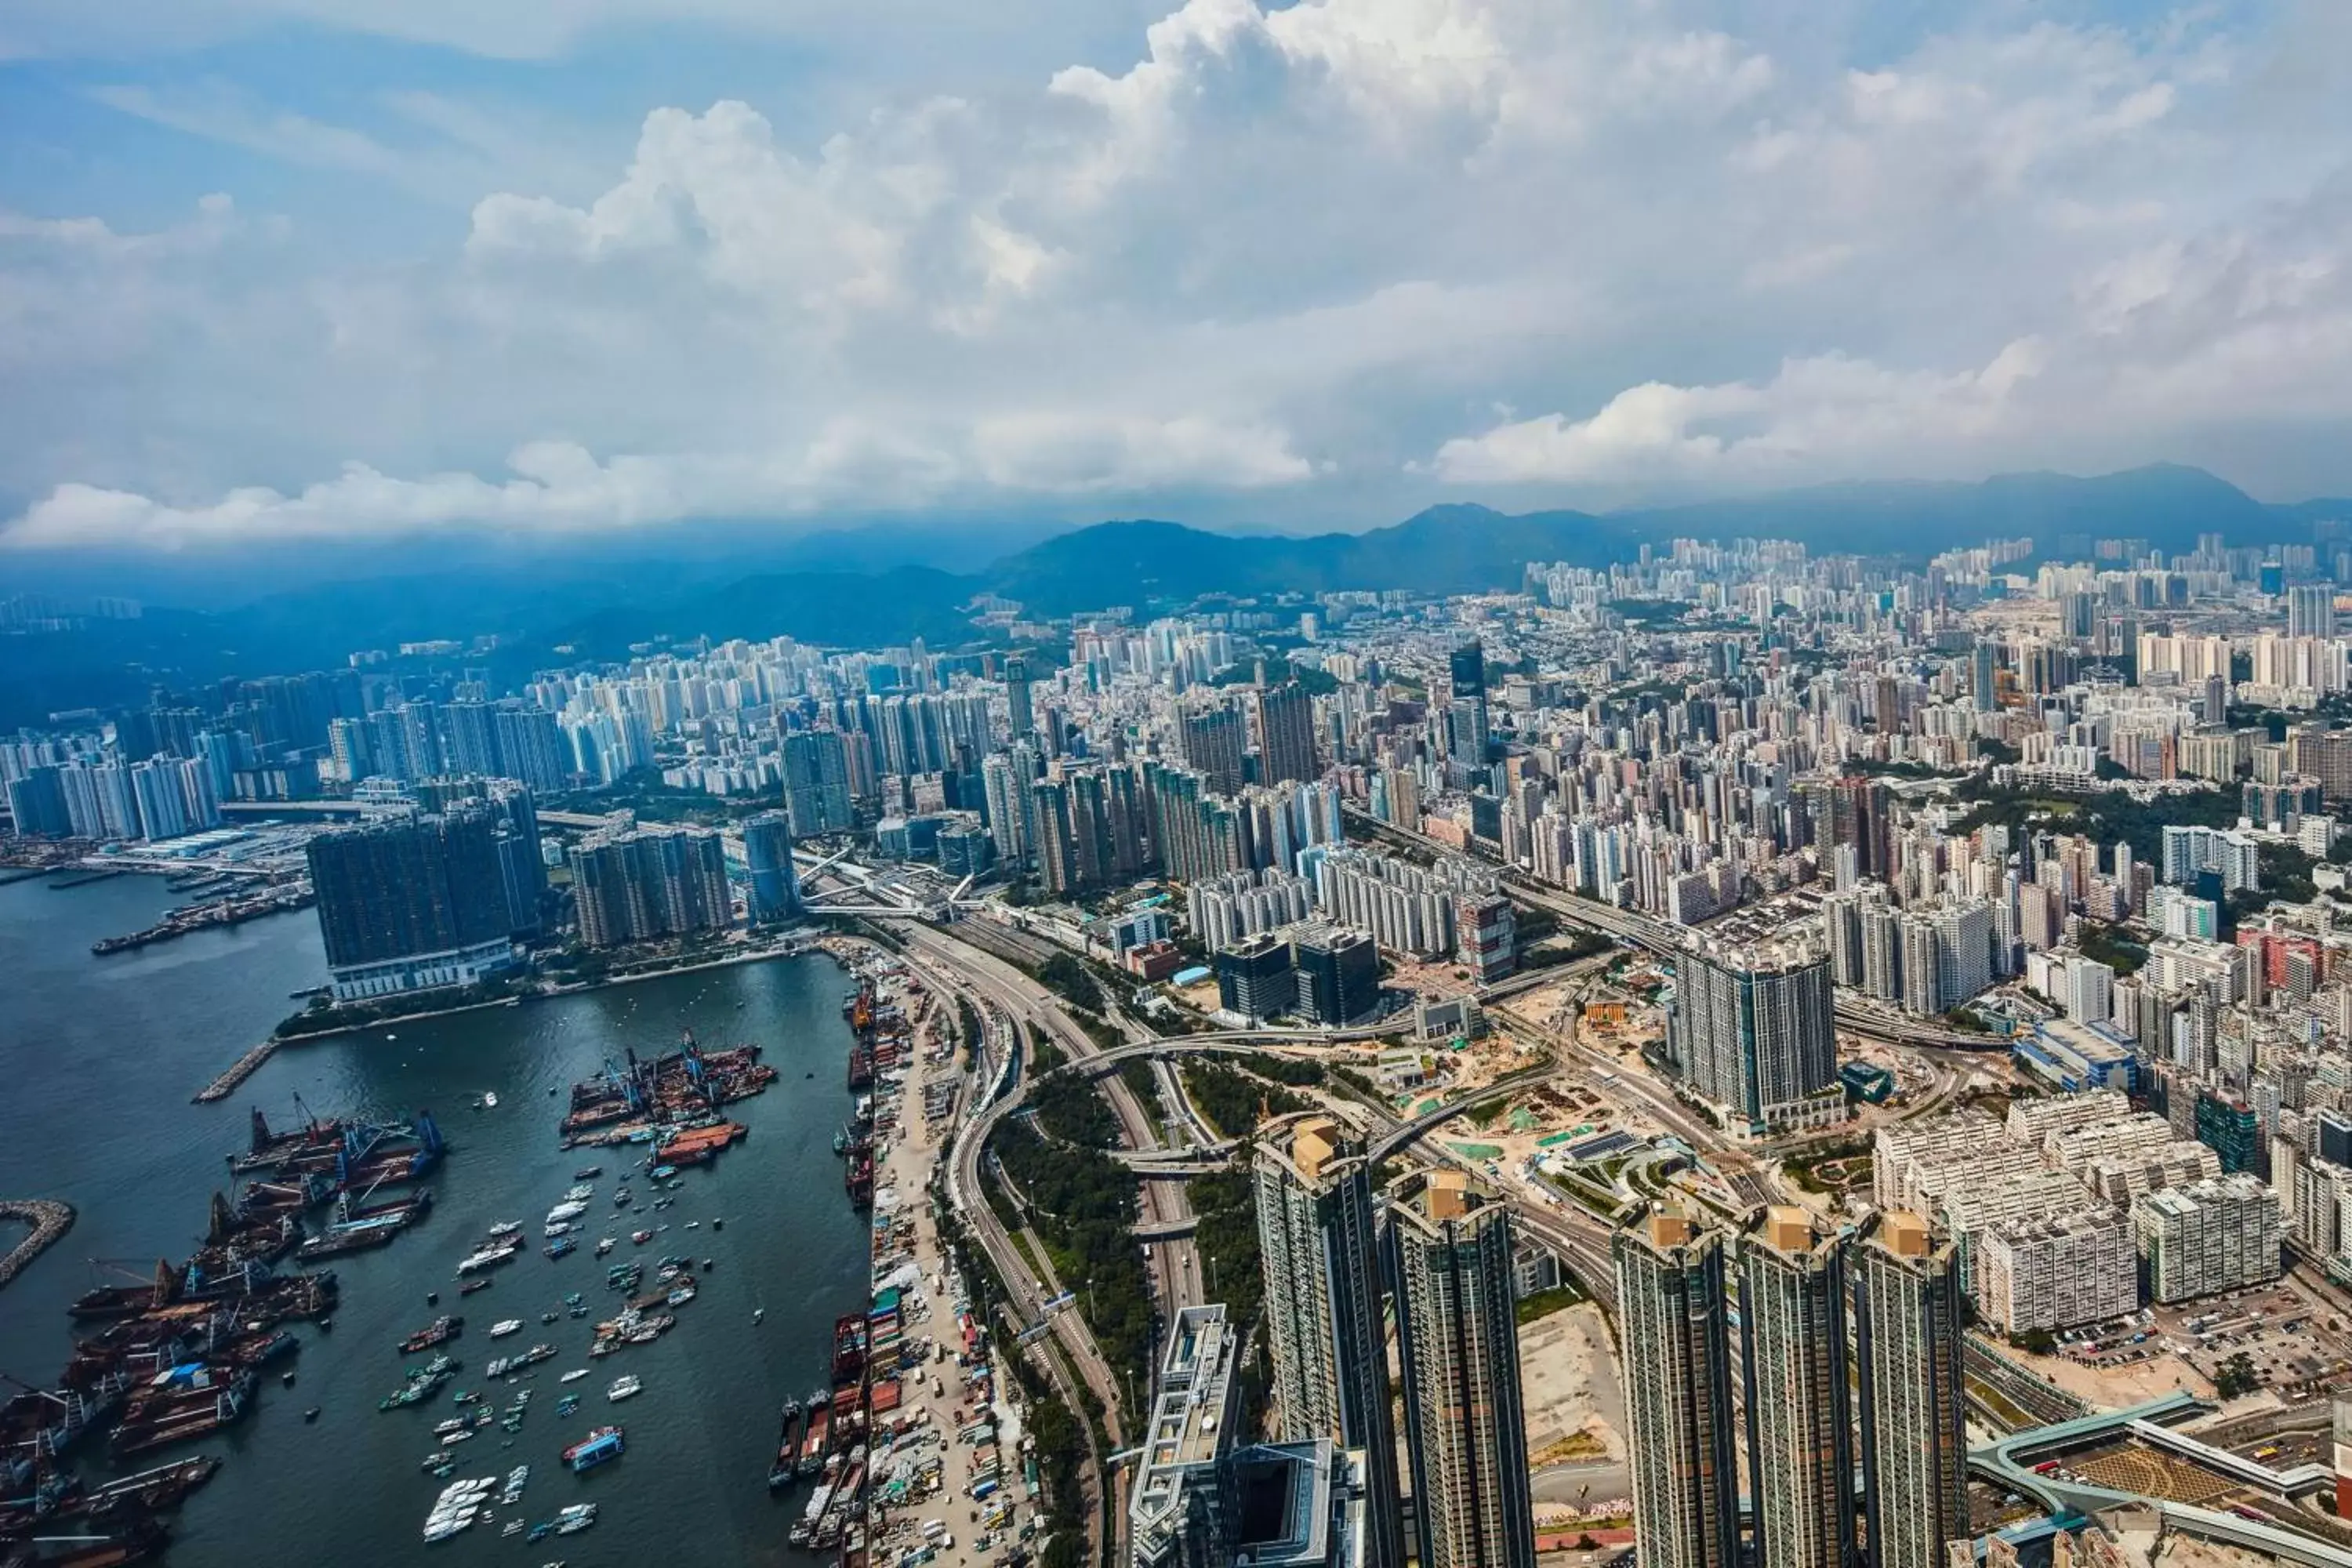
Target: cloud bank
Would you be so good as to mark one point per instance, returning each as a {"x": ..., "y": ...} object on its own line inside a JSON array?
[{"x": 1344, "y": 255}]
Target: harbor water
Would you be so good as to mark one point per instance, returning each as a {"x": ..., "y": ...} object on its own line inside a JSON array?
[{"x": 101, "y": 1056}]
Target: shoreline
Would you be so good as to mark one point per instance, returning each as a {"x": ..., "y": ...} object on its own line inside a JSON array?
[{"x": 222, "y": 1087}]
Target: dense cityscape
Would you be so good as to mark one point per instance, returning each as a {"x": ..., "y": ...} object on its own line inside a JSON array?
[
  {"x": 1739, "y": 1055},
  {"x": 1175, "y": 783}
]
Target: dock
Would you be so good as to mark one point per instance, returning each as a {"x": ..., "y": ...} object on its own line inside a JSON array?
[
  {"x": 85, "y": 879},
  {"x": 222, "y": 912},
  {"x": 221, "y": 1087},
  {"x": 49, "y": 1220}
]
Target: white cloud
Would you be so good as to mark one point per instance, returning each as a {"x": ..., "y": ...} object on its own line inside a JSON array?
[
  {"x": 1828, "y": 410},
  {"x": 1289, "y": 258}
]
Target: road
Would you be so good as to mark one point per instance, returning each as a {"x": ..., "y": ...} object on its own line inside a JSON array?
[{"x": 1172, "y": 1262}]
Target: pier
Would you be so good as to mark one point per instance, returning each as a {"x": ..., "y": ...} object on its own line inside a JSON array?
[
  {"x": 49, "y": 1220},
  {"x": 229, "y": 911},
  {"x": 221, "y": 1087}
]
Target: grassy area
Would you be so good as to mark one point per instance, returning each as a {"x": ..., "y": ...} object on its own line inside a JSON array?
[
  {"x": 1082, "y": 1203},
  {"x": 1544, "y": 1303},
  {"x": 1231, "y": 1100}
]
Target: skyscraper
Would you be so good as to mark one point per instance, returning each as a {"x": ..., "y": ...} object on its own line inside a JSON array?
[
  {"x": 1752, "y": 1032},
  {"x": 1319, "y": 1243},
  {"x": 36, "y": 804},
  {"x": 1449, "y": 1254},
  {"x": 1211, "y": 738},
  {"x": 816, "y": 782},
  {"x": 773, "y": 883},
  {"x": 1792, "y": 1305},
  {"x": 2310, "y": 611},
  {"x": 530, "y": 746},
  {"x": 1908, "y": 1313},
  {"x": 650, "y": 882},
  {"x": 1675, "y": 1320},
  {"x": 1022, "y": 720},
  {"x": 412, "y": 902},
  {"x": 1180, "y": 1513},
  {"x": 1984, "y": 675},
  {"x": 1285, "y": 724}
]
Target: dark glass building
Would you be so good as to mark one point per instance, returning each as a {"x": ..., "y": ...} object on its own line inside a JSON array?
[{"x": 413, "y": 902}]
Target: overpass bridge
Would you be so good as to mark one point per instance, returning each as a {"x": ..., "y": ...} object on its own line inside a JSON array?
[
  {"x": 1411, "y": 1131},
  {"x": 2006, "y": 1465}
]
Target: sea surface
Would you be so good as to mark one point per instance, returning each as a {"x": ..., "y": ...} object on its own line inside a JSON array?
[{"x": 99, "y": 1057}]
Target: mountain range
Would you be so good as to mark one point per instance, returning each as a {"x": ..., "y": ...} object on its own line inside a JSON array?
[{"x": 880, "y": 585}]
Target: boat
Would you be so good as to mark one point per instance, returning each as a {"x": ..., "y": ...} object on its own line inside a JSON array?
[
  {"x": 560, "y": 1228},
  {"x": 506, "y": 1228},
  {"x": 601, "y": 1446},
  {"x": 470, "y": 1286},
  {"x": 463, "y": 1435},
  {"x": 501, "y": 1329},
  {"x": 622, "y": 1387},
  {"x": 567, "y": 1405},
  {"x": 641, "y": 1236},
  {"x": 491, "y": 1256},
  {"x": 819, "y": 1430},
  {"x": 587, "y": 1172},
  {"x": 438, "y": 1331},
  {"x": 757, "y": 1314},
  {"x": 578, "y": 1517},
  {"x": 512, "y": 1493},
  {"x": 663, "y": 1172},
  {"x": 580, "y": 1194},
  {"x": 623, "y": 1198},
  {"x": 562, "y": 1246},
  {"x": 788, "y": 1446},
  {"x": 574, "y": 1375},
  {"x": 489, "y": 1100},
  {"x": 681, "y": 1297},
  {"x": 571, "y": 1208},
  {"x": 605, "y": 1245}
]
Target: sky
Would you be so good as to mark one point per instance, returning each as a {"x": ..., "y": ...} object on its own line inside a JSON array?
[{"x": 302, "y": 272}]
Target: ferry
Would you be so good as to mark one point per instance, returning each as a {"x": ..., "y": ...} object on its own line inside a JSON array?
[
  {"x": 622, "y": 1387},
  {"x": 603, "y": 1444},
  {"x": 571, "y": 1208},
  {"x": 491, "y": 1256}
]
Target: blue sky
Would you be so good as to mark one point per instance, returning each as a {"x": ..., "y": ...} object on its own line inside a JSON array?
[{"x": 304, "y": 270}]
